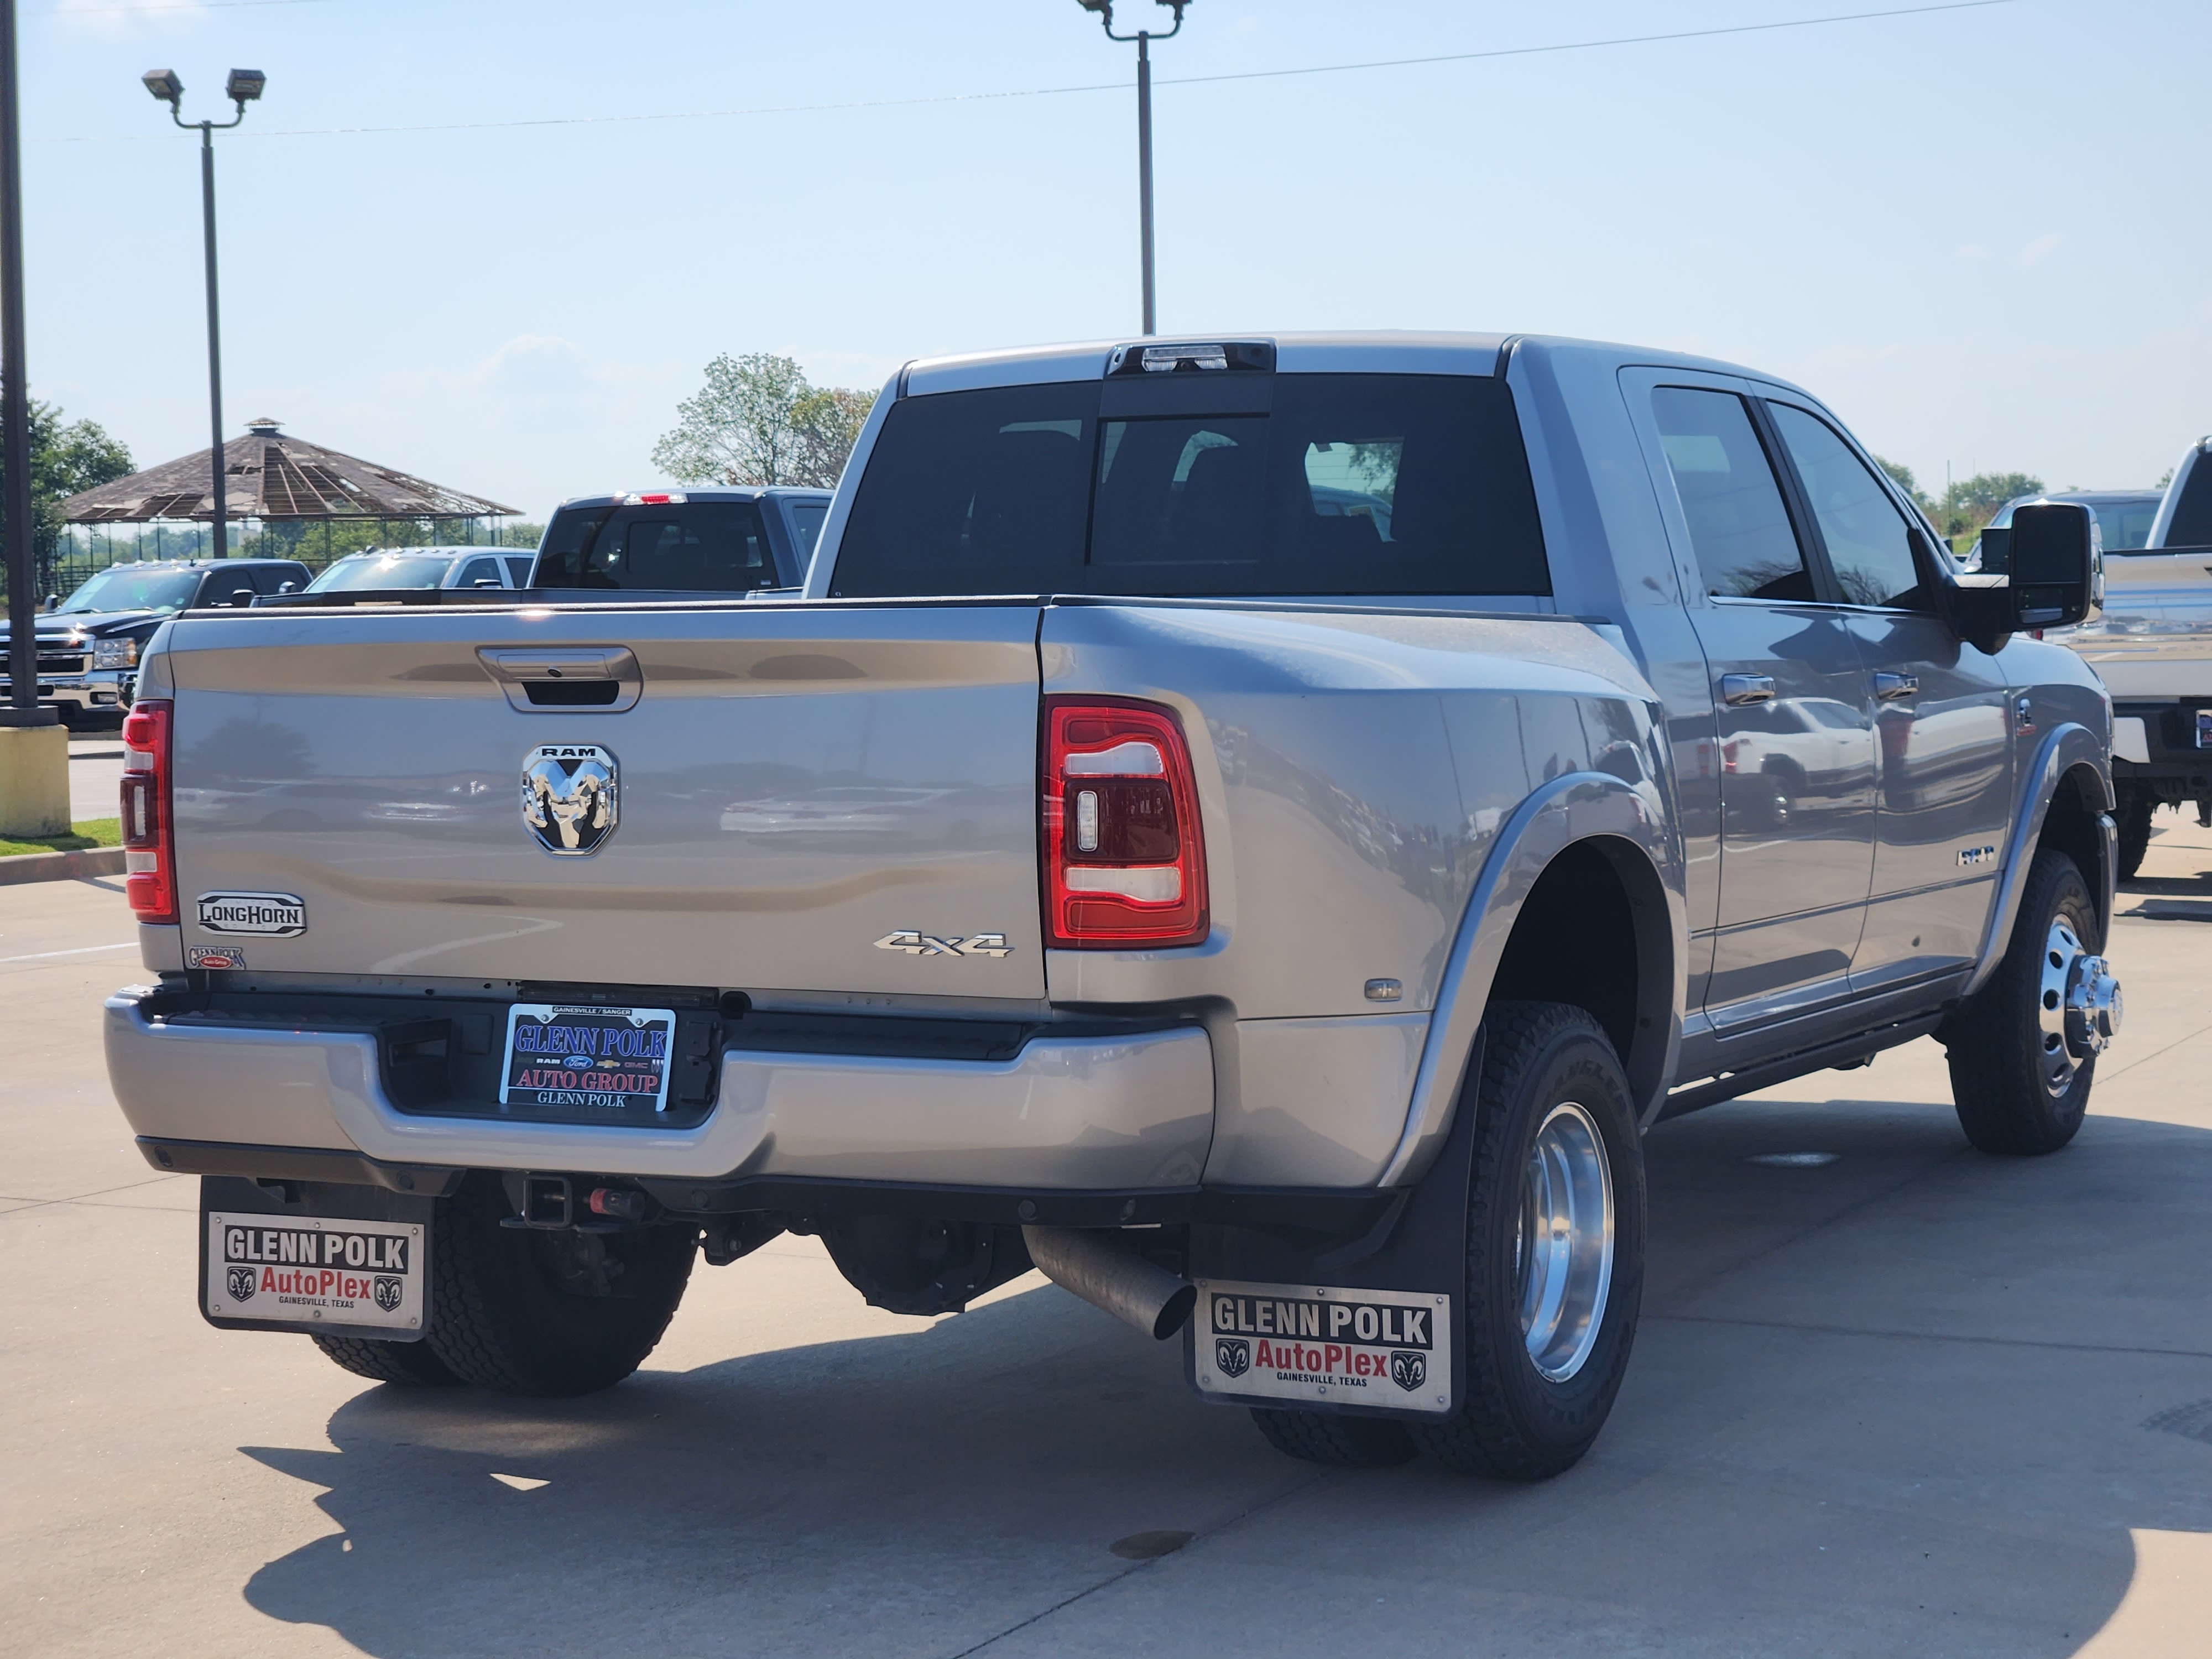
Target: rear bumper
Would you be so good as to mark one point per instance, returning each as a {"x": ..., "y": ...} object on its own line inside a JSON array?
[
  {"x": 1086, "y": 1113},
  {"x": 2155, "y": 743}
]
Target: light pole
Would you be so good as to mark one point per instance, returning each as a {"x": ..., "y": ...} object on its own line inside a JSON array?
[
  {"x": 243, "y": 86},
  {"x": 1144, "y": 40}
]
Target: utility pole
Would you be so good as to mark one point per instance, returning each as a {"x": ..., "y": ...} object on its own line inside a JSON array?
[
  {"x": 243, "y": 86},
  {"x": 1144, "y": 40}
]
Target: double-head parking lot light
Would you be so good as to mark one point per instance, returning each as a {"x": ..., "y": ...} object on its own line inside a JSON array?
[
  {"x": 243, "y": 86},
  {"x": 1104, "y": 9}
]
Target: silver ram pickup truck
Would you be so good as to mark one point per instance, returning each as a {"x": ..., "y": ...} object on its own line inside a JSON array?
[{"x": 1254, "y": 829}]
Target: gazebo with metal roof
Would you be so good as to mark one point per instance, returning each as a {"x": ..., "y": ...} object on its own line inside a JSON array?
[{"x": 276, "y": 478}]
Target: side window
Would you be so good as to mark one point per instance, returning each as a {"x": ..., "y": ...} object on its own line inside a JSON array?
[
  {"x": 1739, "y": 528},
  {"x": 519, "y": 568},
  {"x": 807, "y": 519},
  {"x": 1867, "y": 537},
  {"x": 480, "y": 572}
]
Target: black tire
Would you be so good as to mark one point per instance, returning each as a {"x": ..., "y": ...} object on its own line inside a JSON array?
[
  {"x": 510, "y": 1311},
  {"x": 1341, "y": 1442},
  {"x": 1516, "y": 1423},
  {"x": 2132, "y": 813},
  {"x": 1994, "y": 1041},
  {"x": 408, "y": 1365}
]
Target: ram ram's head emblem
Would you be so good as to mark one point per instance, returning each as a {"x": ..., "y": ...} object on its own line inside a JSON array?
[{"x": 569, "y": 796}]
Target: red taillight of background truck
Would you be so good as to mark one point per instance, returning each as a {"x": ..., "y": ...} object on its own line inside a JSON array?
[
  {"x": 149, "y": 850},
  {"x": 1123, "y": 859}
]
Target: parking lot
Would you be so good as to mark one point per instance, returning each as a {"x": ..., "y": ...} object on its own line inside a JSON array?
[{"x": 1890, "y": 1396}]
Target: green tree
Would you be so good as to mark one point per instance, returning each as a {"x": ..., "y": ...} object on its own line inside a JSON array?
[
  {"x": 1901, "y": 476},
  {"x": 757, "y": 421},
  {"x": 1970, "y": 503},
  {"x": 829, "y": 420},
  {"x": 1985, "y": 492},
  {"x": 66, "y": 456}
]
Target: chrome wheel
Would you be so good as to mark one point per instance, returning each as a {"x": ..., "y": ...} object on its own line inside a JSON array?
[
  {"x": 2078, "y": 1008},
  {"x": 1563, "y": 1249}
]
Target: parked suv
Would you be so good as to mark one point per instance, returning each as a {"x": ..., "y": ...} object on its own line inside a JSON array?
[
  {"x": 1238, "y": 826},
  {"x": 89, "y": 645}
]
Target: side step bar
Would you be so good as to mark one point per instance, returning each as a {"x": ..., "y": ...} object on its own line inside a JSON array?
[{"x": 1829, "y": 1056}]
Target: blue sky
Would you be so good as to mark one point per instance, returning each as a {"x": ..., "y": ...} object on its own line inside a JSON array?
[{"x": 1977, "y": 232}]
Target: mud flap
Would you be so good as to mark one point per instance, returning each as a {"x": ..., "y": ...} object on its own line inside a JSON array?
[
  {"x": 313, "y": 1255},
  {"x": 1368, "y": 1326}
]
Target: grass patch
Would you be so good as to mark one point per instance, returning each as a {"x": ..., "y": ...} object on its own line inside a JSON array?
[{"x": 98, "y": 832}]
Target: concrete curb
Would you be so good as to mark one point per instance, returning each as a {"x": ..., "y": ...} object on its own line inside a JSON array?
[{"x": 61, "y": 866}]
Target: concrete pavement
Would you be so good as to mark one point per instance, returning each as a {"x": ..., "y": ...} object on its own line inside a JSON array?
[{"x": 1907, "y": 1399}]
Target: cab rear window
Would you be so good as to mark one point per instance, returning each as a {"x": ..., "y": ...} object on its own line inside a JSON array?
[
  {"x": 694, "y": 547},
  {"x": 1296, "y": 484}
]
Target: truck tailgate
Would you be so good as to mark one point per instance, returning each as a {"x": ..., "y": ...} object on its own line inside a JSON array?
[
  {"x": 792, "y": 785},
  {"x": 2154, "y": 639}
]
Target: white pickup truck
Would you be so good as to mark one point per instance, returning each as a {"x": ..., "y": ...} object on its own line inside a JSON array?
[
  {"x": 2153, "y": 648},
  {"x": 1256, "y": 829}
]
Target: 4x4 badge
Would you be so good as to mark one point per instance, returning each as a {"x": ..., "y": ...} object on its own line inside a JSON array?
[{"x": 929, "y": 945}]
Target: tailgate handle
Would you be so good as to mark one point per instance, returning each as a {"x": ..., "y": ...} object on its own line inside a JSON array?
[{"x": 588, "y": 679}]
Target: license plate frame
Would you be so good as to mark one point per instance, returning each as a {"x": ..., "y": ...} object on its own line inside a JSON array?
[{"x": 631, "y": 1070}]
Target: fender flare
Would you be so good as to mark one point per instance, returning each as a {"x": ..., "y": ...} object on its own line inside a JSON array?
[
  {"x": 2064, "y": 748},
  {"x": 1576, "y": 807}
]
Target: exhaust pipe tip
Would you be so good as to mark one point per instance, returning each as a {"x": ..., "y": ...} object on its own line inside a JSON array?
[
  {"x": 1174, "y": 1313},
  {"x": 1105, "y": 1271}
]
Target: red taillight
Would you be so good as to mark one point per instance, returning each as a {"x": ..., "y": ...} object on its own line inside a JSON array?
[
  {"x": 148, "y": 857},
  {"x": 1124, "y": 860}
]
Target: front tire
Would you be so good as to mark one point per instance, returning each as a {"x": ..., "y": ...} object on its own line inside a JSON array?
[
  {"x": 528, "y": 1311},
  {"x": 1555, "y": 1247},
  {"x": 2019, "y": 1089}
]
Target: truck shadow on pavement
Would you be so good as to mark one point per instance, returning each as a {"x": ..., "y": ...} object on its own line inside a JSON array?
[{"x": 1889, "y": 1396}]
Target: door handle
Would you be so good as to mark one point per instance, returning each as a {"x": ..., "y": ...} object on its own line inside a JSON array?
[
  {"x": 1887, "y": 688},
  {"x": 1737, "y": 689}
]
